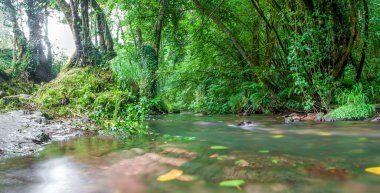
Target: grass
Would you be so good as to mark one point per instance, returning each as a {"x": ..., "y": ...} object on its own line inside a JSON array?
[
  {"x": 93, "y": 92},
  {"x": 355, "y": 104}
]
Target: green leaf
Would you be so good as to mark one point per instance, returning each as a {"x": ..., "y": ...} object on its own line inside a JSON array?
[
  {"x": 232, "y": 183},
  {"x": 264, "y": 151},
  {"x": 274, "y": 161},
  {"x": 242, "y": 163},
  {"x": 218, "y": 147}
]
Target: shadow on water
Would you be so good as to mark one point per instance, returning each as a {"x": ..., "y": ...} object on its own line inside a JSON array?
[{"x": 268, "y": 155}]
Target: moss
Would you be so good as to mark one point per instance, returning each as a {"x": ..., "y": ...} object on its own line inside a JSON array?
[
  {"x": 352, "y": 112},
  {"x": 16, "y": 87},
  {"x": 74, "y": 92},
  {"x": 355, "y": 104}
]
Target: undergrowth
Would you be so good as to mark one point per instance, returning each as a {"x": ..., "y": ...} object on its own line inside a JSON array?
[
  {"x": 354, "y": 104},
  {"x": 93, "y": 92}
]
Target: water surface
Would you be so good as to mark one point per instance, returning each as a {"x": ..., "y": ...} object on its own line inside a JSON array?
[{"x": 278, "y": 157}]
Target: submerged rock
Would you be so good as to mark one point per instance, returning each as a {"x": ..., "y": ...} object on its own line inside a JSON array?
[
  {"x": 296, "y": 117},
  {"x": 245, "y": 124},
  {"x": 309, "y": 117},
  {"x": 375, "y": 120}
]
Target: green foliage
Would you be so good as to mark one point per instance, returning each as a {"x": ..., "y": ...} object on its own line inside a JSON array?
[
  {"x": 74, "y": 92},
  {"x": 6, "y": 57},
  {"x": 93, "y": 92},
  {"x": 129, "y": 73},
  {"x": 308, "y": 54},
  {"x": 354, "y": 104}
]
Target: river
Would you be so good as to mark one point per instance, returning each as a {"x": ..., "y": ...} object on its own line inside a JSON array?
[{"x": 268, "y": 155}]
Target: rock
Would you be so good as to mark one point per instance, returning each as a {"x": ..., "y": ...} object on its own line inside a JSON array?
[
  {"x": 2, "y": 94},
  {"x": 289, "y": 120},
  {"x": 42, "y": 138},
  {"x": 245, "y": 114},
  {"x": 319, "y": 117},
  {"x": 21, "y": 99},
  {"x": 245, "y": 123},
  {"x": 293, "y": 117},
  {"x": 309, "y": 117},
  {"x": 327, "y": 118},
  {"x": 296, "y": 118},
  {"x": 375, "y": 120},
  {"x": 294, "y": 114}
]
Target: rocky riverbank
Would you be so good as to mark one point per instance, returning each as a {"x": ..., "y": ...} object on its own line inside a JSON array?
[{"x": 26, "y": 132}]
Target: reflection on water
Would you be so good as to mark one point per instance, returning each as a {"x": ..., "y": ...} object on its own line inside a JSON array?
[
  {"x": 300, "y": 157},
  {"x": 58, "y": 175}
]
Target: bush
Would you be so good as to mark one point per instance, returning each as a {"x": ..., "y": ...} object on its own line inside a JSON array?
[
  {"x": 354, "y": 105},
  {"x": 92, "y": 92}
]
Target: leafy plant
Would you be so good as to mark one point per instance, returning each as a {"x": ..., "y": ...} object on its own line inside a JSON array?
[{"x": 354, "y": 104}]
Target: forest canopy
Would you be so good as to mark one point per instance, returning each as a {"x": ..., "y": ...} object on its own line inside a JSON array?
[{"x": 215, "y": 56}]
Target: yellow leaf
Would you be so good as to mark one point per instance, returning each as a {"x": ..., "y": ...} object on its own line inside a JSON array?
[
  {"x": 375, "y": 170},
  {"x": 324, "y": 134},
  {"x": 172, "y": 175},
  {"x": 278, "y": 136}
]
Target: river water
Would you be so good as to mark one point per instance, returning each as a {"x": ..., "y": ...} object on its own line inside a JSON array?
[{"x": 269, "y": 155}]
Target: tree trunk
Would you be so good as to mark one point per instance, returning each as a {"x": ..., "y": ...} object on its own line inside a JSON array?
[
  {"x": 345, "y": 52},
  {"x": 157, "y": 43},
  {"x": 76, "y": 30},
  {"x": 20, "y": 41},
  {"x": 262, "y": 15},
  {"x": 49, "y": 56},
  {"x": 105, "y": 36},
  {"x": 39, "y": 68},
  {"x": 86, "y": 54},
  {"x": 366, "y": 34},
  {"x": 3, "y": 76},
  {"x": 140, "y": 46},
  {"x": 238, "y": 45}
]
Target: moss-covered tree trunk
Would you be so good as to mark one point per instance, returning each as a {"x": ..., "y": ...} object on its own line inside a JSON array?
[
  {"x": 157, "y": 45},
  {"x": 77, "y": 15},
  {"x": 19, "y": 41},
  {"x": 365, "y": 39},
  {"x": 3, "y": 76},
  {"x": 105, "y": 38},
  {"x": 39, "y": 66}
]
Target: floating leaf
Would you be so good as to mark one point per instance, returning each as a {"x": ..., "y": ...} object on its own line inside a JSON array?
[
  {"x": 363, "y": 139},
  {"x": 189, "y": 138},
  {"x": 218, "y": 147},
  {"x": 172, "y": 175},
  {"x": 375, "y": 170},
  {"x": 274, "y": 161},
  {"x": 186, "y": 178},
  {"x": 264, "y": 151},
  {"x": 278, "y": 136},
  {"x": 324, "y": 134},
  {"x": 232, "y": 183},
  {"x": 242, "y": 163},
  {"x": 222, "y": 157}
]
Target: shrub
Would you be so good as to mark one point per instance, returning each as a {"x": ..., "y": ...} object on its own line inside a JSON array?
[{"x": 354, "y": 105}]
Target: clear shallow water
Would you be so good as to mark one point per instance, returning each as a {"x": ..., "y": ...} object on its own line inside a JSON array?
[{"x": 299, "y": 157}]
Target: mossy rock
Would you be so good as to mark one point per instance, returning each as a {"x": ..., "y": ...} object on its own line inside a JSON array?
[{"x": 351, "y": 112}]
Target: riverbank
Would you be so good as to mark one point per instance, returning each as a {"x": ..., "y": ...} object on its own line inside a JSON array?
[{"x": 25, "y": 132}]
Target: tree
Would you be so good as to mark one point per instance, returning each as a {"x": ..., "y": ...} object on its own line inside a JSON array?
[
  {"x": 39, "y": 65},
  {"x": 31, "y": 56},
  {"x": 77, "y": 15}
]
